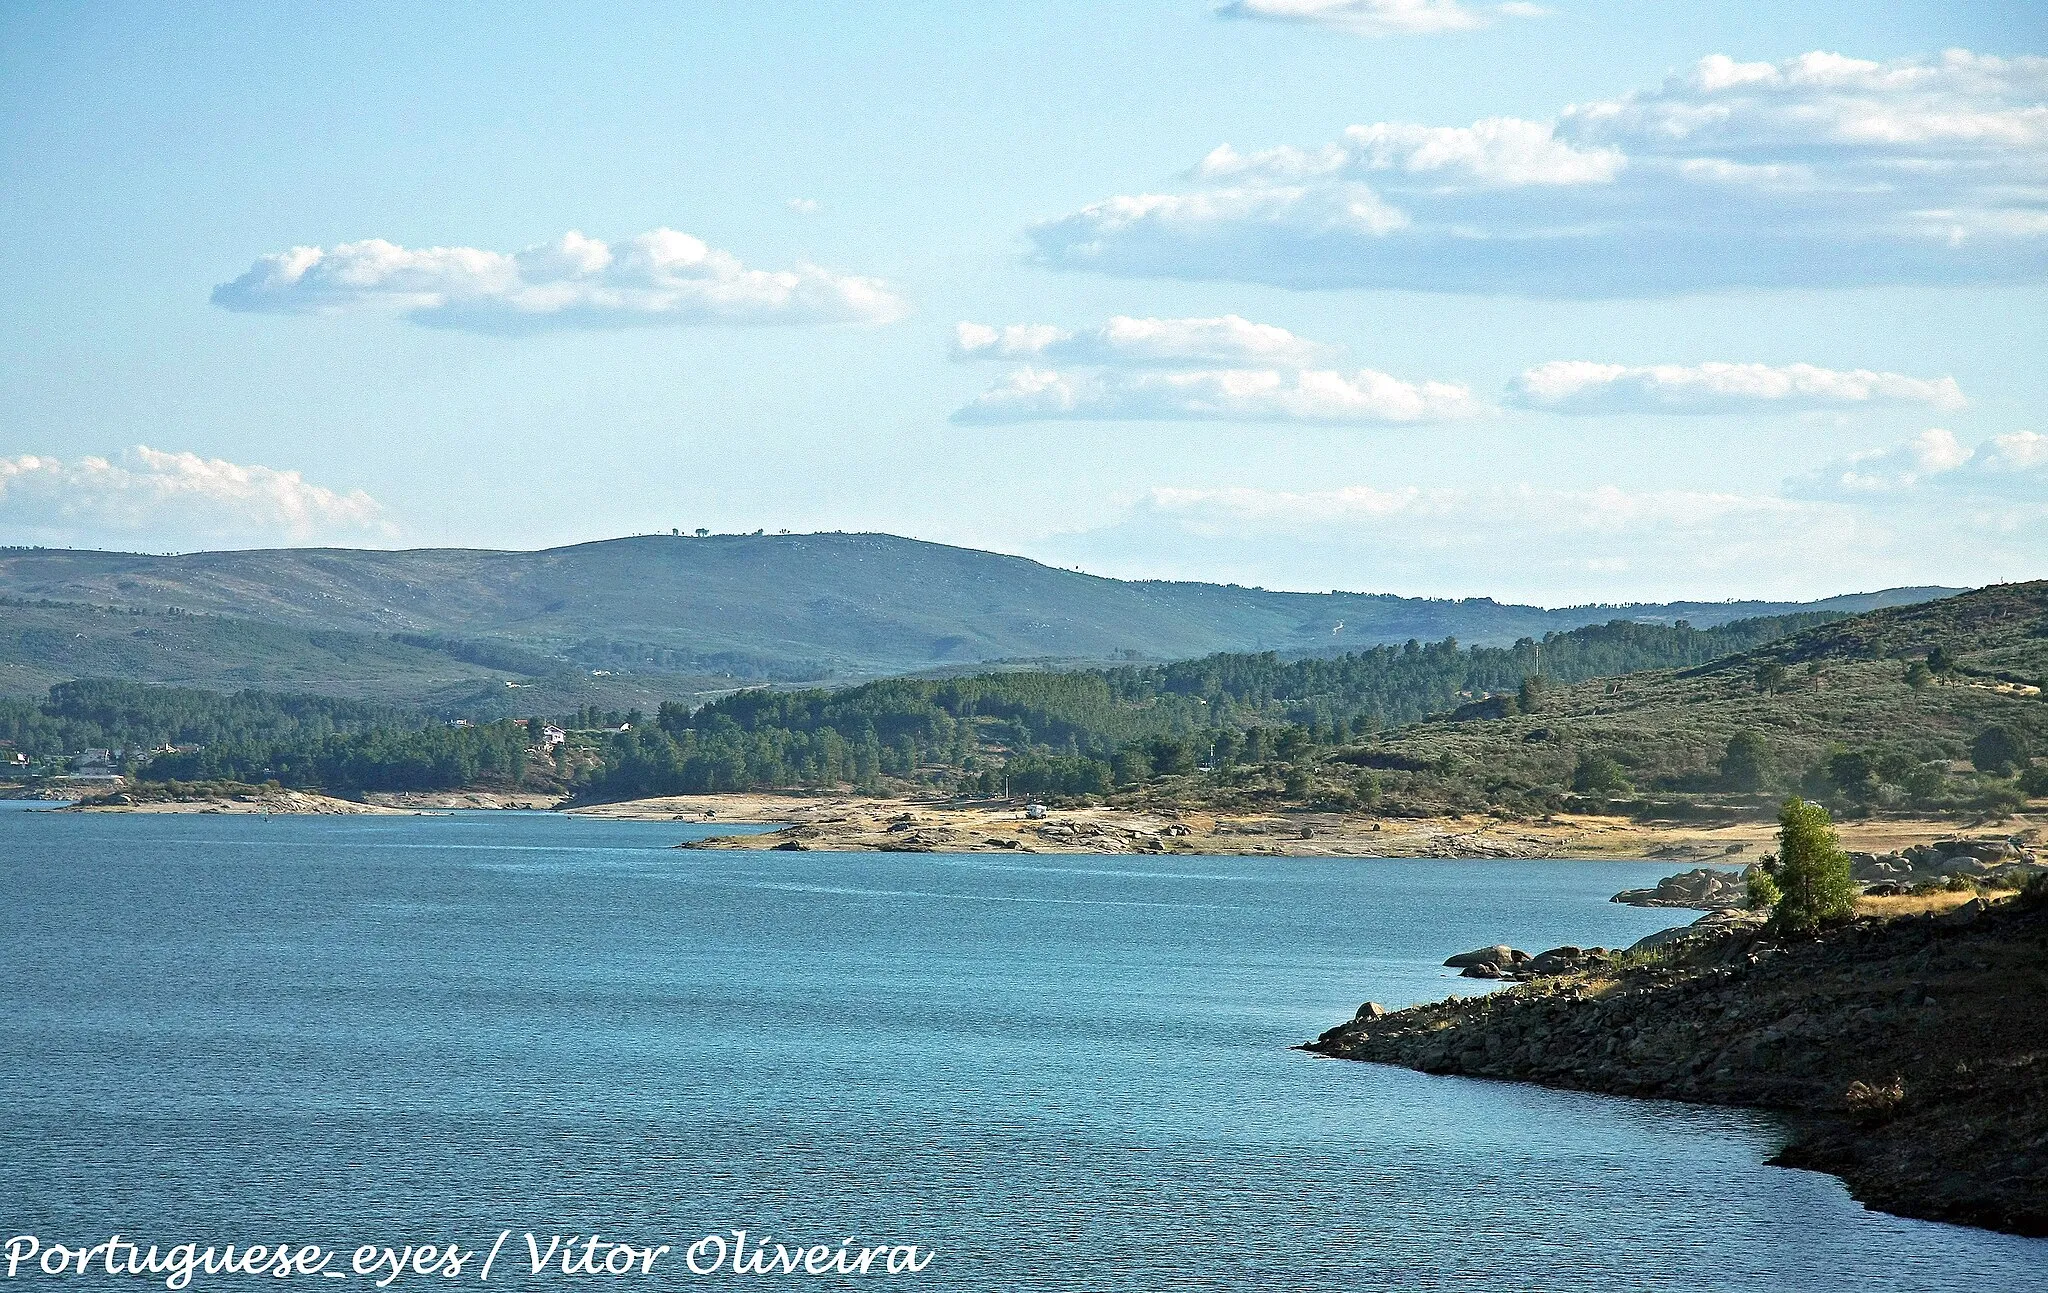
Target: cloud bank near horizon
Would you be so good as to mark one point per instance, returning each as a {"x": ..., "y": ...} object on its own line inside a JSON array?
[
  {"x": 1578, "y": 386},
  {"x": 2013, "y": 467},
  {"x": 1818, "y": 171},
  {"x": 1929, "y": 511},
  {"x": 178, "y": 500},
  {"x": 660, "y": 277}
]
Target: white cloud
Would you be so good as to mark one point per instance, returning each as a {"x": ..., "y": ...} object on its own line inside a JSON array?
[
  {"x": 180, "y": 500},
  {"x": 1227, "y": 340},
  {"x": 1822, "y": 101},
  {"x": 1378, "y": 17},
  {"x": 1234, "y": 394},
  {"x": 1817, "y": 171},
  {"x": 2015, "y": 454},
  {"x": 1557, "y": 546},
  {"x": 1502, "y": 152},
  {"x": 577, "y": 282},
  {"x": 1576, "y": 386},
  {"x": 806, "y": 206},
  {"x": 2012, "y": 467}
]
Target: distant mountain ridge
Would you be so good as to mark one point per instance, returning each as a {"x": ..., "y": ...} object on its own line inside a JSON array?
[{"x": 780, "y": 607}]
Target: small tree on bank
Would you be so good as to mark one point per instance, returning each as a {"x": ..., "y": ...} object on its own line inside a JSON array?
[{"x": 1813, "y": 879}]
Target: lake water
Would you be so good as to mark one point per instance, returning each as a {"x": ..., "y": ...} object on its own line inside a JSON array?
[{"x": 1050, "y": 1072}]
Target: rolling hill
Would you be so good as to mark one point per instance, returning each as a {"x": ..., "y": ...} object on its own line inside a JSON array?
[
  {"x": 1836, "y": 712},
  {"x": 681, "y": 614}
]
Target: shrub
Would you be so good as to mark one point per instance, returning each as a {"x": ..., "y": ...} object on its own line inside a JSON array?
[
  {"x": 1598, "y": 774},
  {"x": 1746, "y": 763},
  {"x": 2034, "y": 780},
  {"x": 1763, "y": 889},
  {"x": 1998, "y": 750}
]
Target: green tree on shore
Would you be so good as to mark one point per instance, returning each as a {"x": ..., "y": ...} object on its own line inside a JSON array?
[{"x": 1813, "y": 879}]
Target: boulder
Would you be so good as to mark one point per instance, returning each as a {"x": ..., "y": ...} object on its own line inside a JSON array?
[
  {"x": 1981, "y": 850},
  {"x": 1483, "y": 970},
  {"x": 1702, "y": 887},
  {"x": 1498, "y": 954},
  {"x": 1708, "y": 926},
  {"x": 1888, "y": 867},
  {"x": 1371, "y": 1010},
  {"x": 1563, "y": 960},
  {"x": 1964, "y": 865}
]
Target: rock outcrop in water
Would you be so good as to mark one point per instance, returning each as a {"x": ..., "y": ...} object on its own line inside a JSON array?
[
  {"x": 1911, "y": 1052},
  {"x": 1704, "y": 888}
]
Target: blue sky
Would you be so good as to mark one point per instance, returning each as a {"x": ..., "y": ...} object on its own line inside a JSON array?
[{"x": 1536, "y": 305}]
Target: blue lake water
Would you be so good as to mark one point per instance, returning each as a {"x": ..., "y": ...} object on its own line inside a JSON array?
[{"x": 1051, "y": 1072}]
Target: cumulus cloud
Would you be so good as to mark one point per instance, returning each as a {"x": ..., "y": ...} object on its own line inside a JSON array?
[
  {"x": 661, "y": 277},
  {"x": 1576, "y": 386},
  {"x": 1123, "y": 340},
  {"x": 2011, "y": 466},
  {"x": 1378, "y": 17},
  {"x": 148, "y": 496},
  {"x": 1232, "y": 394},
  {"x": 1499, "y": 152},
  {"x": 1817, "y": 171}
]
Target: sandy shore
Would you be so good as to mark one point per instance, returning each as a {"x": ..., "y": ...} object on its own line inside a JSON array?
[{"x": 852, "y": 823}]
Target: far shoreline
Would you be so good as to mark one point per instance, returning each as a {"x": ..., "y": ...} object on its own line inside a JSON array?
[{"x": 860, "y": 823}]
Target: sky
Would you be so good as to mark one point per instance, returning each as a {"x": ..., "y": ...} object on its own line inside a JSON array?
[{"x": 1562, "y": 303}]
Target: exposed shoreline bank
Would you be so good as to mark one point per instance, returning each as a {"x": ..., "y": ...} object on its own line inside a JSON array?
[
  {"x": 1909, "y": 1052},
  {"x": 855, "y": 823},
  {"x": 841, "y": 823}
]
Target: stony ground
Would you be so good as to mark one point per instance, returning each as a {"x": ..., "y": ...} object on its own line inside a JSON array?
[
  {"x": 1911, "y": 1050},
  {"x": 285, "y": 803},
  {"x": 841, "y": 822}
]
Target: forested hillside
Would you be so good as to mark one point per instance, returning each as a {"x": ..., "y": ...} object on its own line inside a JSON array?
[
  {"x": 43, "y": 643},
  {"x": 1080, "y": 731},
  {"x": 1936, "y": 708},
  {"x": 1931, "y": 708},
  {"x": 183, "y": 734},
  {"x": 680, "y": 615},
  {"x": 1084, "y": 731}
]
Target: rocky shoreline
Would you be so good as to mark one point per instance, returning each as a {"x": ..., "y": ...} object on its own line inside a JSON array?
[
  {"x": 854, "y": 823},
  {"x": 1910, "y": 1052}
]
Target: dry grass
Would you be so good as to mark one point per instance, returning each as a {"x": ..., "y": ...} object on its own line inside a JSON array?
[{"x": 1915, "y": 904}]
